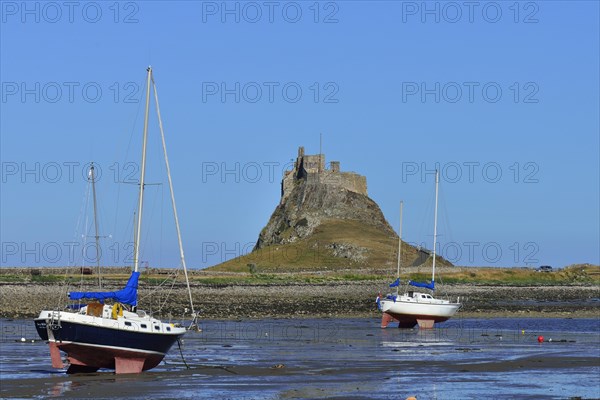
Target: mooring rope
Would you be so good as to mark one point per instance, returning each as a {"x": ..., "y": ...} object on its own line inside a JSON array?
[{"x": 181, "y": 352}]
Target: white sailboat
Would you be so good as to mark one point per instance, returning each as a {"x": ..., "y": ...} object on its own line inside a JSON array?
[
  {"x": 115, "y": 336},
  {"x": 412, "y": 308}
]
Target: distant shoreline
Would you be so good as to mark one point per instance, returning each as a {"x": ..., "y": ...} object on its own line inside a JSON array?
[{"x": 333, "y": 299}]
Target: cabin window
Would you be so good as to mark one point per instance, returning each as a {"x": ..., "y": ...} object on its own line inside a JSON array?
[
  {"x": 144, "y": 326},
  {"x": 168, "y": 328},
  {"x": 156, "y": 327},
  {"x": 127, "y": 323}
]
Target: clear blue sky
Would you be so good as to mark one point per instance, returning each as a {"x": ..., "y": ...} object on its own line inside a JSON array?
[{"x": 393, "y": 87}]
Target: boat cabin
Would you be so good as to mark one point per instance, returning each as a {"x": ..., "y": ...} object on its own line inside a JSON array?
[
  {"x": 422, "y": 296},
  {"x": 419, "y": 297}
]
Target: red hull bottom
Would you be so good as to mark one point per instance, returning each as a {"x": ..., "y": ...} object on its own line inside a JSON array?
[
  {"x": 84, "y": 358},
  {"x": 410, "y": 321}
]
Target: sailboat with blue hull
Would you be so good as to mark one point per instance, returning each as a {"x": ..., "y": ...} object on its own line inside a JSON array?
[
  {"x": 415, "y": 307},
  {"x": 109, "y": 331}
]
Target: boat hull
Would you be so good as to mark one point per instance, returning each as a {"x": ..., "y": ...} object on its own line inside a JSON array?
[
  {"x": 94, "y": 357},
  {"x": 114, "y": 338},
  {"x": 42, "y": 328},
  {"x": 408, "y": 314},
  {"x": 90, "y": 346}
]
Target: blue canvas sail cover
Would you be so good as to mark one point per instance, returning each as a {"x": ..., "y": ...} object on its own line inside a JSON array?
[
  {"x": 423, "y": 284},
  {"x": 127, "y": 295},
  {"x": 396, "y": 283}
]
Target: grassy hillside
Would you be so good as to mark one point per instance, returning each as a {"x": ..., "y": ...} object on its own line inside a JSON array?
[{"x": 335, "y": 244}]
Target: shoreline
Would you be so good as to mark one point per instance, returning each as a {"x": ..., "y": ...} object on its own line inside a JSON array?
[{"x": 332, "y": 300}]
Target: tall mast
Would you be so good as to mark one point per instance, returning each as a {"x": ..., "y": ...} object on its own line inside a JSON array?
[
  {"x": 400, "y": 240},
  {"x": 93, "y": 178},
  {"x": 181, "y": 254},
  {"x": 136, "y": 244},
  {"x": 437, "y": 180}
]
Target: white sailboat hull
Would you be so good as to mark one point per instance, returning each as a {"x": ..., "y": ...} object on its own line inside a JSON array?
[{"x": 417, "y": 308}]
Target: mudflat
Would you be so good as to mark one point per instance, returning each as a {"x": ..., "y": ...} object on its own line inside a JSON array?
[{"x": 337, "y": 358}]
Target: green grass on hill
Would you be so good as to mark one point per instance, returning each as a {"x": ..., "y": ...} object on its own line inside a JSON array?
[
  {"x": 585, "y": 274},
  {"x": 377, "y": 250}
]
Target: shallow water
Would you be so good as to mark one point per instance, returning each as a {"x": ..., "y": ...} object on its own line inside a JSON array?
[{"x": 335, "y": 358}]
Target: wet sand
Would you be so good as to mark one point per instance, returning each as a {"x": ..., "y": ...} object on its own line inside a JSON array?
[
  {"x": 339, "y": 358},
  {"x": 107, "y": 385}
]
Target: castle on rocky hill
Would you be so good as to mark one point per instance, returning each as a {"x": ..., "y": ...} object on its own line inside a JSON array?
[{"x": 311, "y": 168}]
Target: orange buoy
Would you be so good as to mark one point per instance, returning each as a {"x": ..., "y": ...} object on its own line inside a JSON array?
[{"x": 540, "y": 339}]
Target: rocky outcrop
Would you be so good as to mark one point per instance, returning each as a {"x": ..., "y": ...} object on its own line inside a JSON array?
[
  {"x": 310, "y": 205},
  {"x": 325, "y": 220},
  {"x": 326, "y": 214},
  {"x": 327, "y": 211}
]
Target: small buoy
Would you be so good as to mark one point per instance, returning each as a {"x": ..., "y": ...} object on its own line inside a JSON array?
[
  {"x": 550, "y": 339},
  {"x": 522, "y": 331},
  {"x": 23, "y": 339},
  {"x": 411, "y": 398},
  {"x": 540, "y": 339}
]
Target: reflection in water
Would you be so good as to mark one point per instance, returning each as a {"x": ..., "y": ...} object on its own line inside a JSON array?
[{"x": 60, "y": 388}]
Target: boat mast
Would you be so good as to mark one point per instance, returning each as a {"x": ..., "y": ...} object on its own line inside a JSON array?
[
  {"x": 399, "y": 243},
  {"x": 164, "y": 144},
  {"x": 437, "y": 180},
  {"x": 93, "y": 178},
  {"x": 138, "y": 230}
]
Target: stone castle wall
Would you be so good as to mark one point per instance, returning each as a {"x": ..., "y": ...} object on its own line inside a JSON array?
[
  {"x": 311, "y": 168},
  {"x": 312, "y": 164}
]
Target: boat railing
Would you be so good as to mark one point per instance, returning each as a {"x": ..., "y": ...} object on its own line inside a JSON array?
[{"x": 55, "y": 320}]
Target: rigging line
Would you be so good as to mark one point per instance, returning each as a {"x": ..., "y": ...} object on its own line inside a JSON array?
[
  {"x": 170, "y": 290},
  {"x": 85, "y": 235},
  {"x": 447, "y": 225},
  {"x": 426, "y": 217},
  {"x": 71, "y": 261},
  {"x": 152, "y": 292},
  {"x": 96, "y": 227},
  {"x": 125, "y": 156},
  {"x": 179, "y": 239},
  {"x": 146, "y": 236},
  {"x": 128, "y": 232},
  {"x": 160, "y": 233}
]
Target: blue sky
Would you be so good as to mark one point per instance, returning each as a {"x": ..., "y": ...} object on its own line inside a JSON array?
[{"x": 502, "y": 96}]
